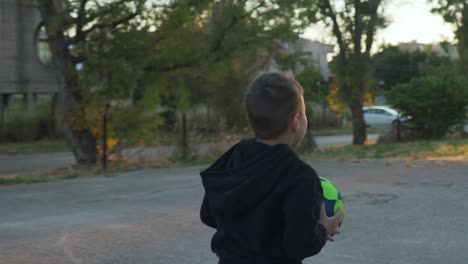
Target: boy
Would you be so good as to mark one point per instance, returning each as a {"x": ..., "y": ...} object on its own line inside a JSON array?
[{"x": 264, "y": 202}]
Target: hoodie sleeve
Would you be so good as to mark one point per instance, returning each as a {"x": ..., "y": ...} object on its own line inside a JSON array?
[
  {"x": 205, "y": 214},
  {"x": 303, "y": 235}
]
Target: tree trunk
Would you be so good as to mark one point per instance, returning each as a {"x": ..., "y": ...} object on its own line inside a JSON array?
[
  {"x": 462, "y": 36},
  {"x": 2, "y": 118},
  {"x": 104, "y": 136},
  {"x": 359, "y": 126},
  {"x": 184, "y": 140},
  {"x": 357, "y": 76},
  {"x": 324, "y": 109},
  {"x": 81, "y": 139}
]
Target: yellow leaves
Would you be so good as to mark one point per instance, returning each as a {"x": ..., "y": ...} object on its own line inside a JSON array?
[
  {"x": 112, "y": 143},
  {"x": 334, "y": 101}
]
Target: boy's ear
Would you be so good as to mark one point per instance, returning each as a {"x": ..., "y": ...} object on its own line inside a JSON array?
[{"x": 295, "y": 122}]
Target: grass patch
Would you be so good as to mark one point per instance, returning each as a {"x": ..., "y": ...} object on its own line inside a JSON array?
[
  {"x": 414, "y": 150},
  {"x": 60, "y": 145},
  {"x": 172, "y": 138},
  {"x": 40, "y": 146}
]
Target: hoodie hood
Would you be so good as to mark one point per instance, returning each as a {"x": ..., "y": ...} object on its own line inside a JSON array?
[{"x": 245, "y": 176}]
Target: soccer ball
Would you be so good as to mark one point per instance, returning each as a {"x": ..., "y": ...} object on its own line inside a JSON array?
[{"x": 332, "y": 199}]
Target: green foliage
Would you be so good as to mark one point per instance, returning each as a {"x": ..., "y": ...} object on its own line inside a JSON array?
[
  {"x": 32, "y": 147},
  {"x": 115, "y": 65},
  {"x": 312, "y": 81},
  {"x": 315, "y": 89},
  {"x": 415, "y": 150},
  {"x": 451, "y": 10},
  {"x": 22, "y": 125},
  {"x": 434, "y": 103},
  {"x": 343, "y": 17},
  {"x": 141, "y": 58},
  {"x": 354, "y": 25},
  {"x": 134, "y": 125},
  {"x": 456, "y": 13},
  {"x": 394, "y": 66},
  {"x": 230, "y": 101},
  {"x": 216, "y": 54}
]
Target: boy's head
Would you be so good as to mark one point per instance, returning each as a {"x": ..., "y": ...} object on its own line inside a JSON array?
[{"x": 276, "y": 109}]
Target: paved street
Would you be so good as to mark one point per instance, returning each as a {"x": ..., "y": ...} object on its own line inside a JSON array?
[
  {"x": 396, "y": 212},
  {"x": 30, "y": 162},
  {"x": 24, "y": 163}
]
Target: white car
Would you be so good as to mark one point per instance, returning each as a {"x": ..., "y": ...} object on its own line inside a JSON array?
[{"x": 381, "y": 116}]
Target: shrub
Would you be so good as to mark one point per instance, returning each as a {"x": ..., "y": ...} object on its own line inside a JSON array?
[
  {"x": 435, "y": 103},
  {"x": 22, "y": 125}
]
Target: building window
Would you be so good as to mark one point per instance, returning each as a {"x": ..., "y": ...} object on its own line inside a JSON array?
[{"x": 43, "y": 50}]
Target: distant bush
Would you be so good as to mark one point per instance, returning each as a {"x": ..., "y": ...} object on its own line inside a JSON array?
[
  {"x": 435, "y": 103},
  {"x": 22, "y": 125}
]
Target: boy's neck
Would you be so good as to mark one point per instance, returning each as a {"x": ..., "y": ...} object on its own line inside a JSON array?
[{"x": 275, "y": 141}]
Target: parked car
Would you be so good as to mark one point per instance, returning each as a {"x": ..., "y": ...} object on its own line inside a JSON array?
[{"x": 381, "y": 116}]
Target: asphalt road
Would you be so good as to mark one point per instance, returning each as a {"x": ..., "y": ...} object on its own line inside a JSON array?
[
  {"x": 397, "y": 212},
  {"x": 24, "y": 163}
]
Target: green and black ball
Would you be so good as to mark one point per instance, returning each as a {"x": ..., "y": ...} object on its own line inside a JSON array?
[{"x": 332, "y": 199}]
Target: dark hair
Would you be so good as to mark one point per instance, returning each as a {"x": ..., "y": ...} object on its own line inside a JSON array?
[{"x": 271, "y": 100}]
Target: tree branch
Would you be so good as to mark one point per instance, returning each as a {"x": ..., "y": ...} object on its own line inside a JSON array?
[
  {"x": 217, "y": 45},
  {"x": 328, "y": 11},
  {"x": 103, "y": 13},
  {"x": 357, "y": 36},
  {"x": 214, "y": 48},
  {"x": 371, "y": 27},
  {"x": 81, "y": 16},
  {"x": 82, "y": 34}
]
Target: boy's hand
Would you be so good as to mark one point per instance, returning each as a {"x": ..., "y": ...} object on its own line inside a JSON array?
[{"x": 330, "y": 223}]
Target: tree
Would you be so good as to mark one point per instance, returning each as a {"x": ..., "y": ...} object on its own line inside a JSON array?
[
  {"x": 456, "y": 13},
  {"x": 222, "y": 49},
  {"x": 312, "y": 81},
  {"x": 188, "y": 40},
  {"x": 354, "y": 25},
  {"x": 114, "y": 68},
  {"x": 239, "y": 40},
  {"x": 435, "y": 103},
  {"x": 69, "y": 25},
  {"x": 394, "y": 66}
]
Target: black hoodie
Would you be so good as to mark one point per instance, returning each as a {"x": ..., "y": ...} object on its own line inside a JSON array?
[{"x": 264, "y": 203}]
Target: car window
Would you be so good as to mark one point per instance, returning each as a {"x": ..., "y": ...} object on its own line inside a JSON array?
[
  {"x": 386, "y": 113},
  {"x": 381, "y": 112}
]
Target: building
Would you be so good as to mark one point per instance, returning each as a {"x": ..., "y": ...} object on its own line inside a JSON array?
[
  {"x": 311, "y": 51},
  {"x": 25, "y": 60},
  {"x": 441, "y": 49}
]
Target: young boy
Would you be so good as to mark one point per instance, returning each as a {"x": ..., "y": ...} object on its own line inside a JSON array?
[{"x": 264, "y": 202}]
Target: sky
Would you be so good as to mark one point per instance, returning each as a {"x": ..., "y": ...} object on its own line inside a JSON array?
[{"x": 410, "y": 20}]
